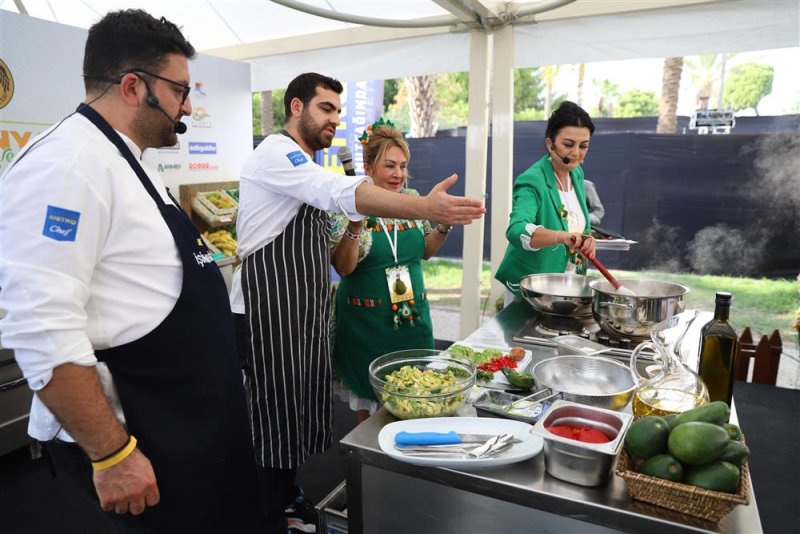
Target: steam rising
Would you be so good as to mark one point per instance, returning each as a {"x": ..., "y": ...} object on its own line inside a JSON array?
[
  {"x": 774, "y": 193},
  {"x": 720, "y": 249}
]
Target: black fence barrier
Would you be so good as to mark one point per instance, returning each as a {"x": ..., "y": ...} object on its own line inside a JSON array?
[{"x": 721, "y": 204}]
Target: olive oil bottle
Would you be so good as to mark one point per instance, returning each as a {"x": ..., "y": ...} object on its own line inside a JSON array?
[{"x": 719, "y": 347}]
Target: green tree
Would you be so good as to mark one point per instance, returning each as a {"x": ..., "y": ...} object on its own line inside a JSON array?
[
  {"x": 608, "y": 95},
  {"x": 637, "y": 103},
  {"x": 528, "y": 86},
  {"x": 278, "y": 113},
  {"x": 747, "y": 85},
  {"x": 390, "y": 88},
  {"x": 256, "y": 114}
]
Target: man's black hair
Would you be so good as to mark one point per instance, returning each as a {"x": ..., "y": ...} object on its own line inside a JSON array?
[
  {"x": 305, "y": 86},
  {"x": 568, "y": 114},
  {"x": 129, "y": 39}
]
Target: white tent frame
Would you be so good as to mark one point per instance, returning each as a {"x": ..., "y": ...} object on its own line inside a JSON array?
[{"x": 489, "y": 38}]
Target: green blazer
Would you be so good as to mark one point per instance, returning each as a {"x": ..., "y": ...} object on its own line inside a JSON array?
[{"x": 536, "y": 201}]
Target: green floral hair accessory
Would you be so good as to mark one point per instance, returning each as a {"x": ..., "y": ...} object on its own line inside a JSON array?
[{"x": 368, "y": 130}]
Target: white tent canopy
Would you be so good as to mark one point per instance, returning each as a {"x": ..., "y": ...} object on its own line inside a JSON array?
[
  {"x": 280, "y": 42},
  {"x": 487, "y": 38}
]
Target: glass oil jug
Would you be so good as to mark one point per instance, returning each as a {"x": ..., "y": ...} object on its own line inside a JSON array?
[{"x": 674, "y": 388}]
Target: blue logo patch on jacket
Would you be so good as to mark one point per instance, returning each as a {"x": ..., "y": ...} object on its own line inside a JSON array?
[
  {"x": 297, "y": 157},
  {"x": 61, "y": 224}
]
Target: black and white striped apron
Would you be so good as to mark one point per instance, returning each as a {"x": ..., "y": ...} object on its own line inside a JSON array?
[{"x": 286, "y": 285}]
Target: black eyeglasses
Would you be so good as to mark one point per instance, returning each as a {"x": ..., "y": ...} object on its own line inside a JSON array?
[{"x": 186, "y": 88}]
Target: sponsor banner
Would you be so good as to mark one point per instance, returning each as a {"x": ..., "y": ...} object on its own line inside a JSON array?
[
  {"x": 169, "y": 167},
  {"x": 170, "y": 149},
  {"x": 198, "y": 147},
  {"x": 13, "y": 138},
  {"x": 362, "y": 104},
  {"x": 201, "y": 117},
  {"x": 202, "y": 166}
]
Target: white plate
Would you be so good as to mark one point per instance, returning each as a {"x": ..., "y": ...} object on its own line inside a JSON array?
[
  {"x": 531, "y": 445},
  {"x": 499, "y": 377}
]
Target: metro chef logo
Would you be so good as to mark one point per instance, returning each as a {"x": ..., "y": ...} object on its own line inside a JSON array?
[{"x": 61, "y": 224}]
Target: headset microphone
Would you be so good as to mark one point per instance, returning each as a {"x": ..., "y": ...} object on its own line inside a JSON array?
[
  {"x": 152, "y": 101},
  {"x": 564, "y": 159}
]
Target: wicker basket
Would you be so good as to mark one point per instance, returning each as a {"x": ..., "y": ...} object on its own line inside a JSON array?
[{"x": 691, "y": 500}]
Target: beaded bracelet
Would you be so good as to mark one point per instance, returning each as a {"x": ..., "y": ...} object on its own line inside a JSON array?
[
  {"x": 353, "y": 235},
  {"x": 442, "y": 229},
  {"x": 115, "y": 457}
]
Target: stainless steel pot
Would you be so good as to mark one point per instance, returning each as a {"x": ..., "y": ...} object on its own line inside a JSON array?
[
  {"x": 634, "y": 317},
  {"x": 567, "y": 295}
]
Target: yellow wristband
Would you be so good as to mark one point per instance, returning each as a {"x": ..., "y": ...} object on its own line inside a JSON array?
[{"x": 116, "y": 458}]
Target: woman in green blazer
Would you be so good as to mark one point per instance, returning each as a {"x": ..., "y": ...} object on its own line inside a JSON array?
[{"x": 549, "y": 227}]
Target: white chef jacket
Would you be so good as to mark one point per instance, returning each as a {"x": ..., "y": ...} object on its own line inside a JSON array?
[
  {"x": 105, "y": 274},
  {"x": 236, "y": 297},
  {"x": 276, "y": 180}
]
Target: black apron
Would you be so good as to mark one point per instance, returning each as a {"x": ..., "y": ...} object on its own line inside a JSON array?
[
  {"x": 180, "y": 387},
  {"x": 287, "y": 292}
]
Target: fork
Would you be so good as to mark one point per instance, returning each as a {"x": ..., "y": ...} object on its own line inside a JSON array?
[{"x": 493, "y": 445}]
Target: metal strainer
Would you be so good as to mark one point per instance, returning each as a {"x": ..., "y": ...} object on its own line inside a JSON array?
[{"x": 591, "y": 380}]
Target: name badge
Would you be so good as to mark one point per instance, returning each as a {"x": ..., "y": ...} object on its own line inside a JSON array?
[
  {"x": 61, "y": 224},
  {"x": 399, "y": 280}
]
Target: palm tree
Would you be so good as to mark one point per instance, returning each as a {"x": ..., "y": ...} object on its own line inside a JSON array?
[
  {"x": 267, "y": 121},
  {"x": 581, "y": 75},
  {"x": 702, "y": 69},
  {"x": 422, "y": 106},
  {"x": 549, "y": 74},
  {"x": 608, "y": 93},
  {"x": 670, "y": 87}
]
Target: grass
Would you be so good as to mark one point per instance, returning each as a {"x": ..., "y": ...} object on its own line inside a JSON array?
[{"x": 762, "y": 304}]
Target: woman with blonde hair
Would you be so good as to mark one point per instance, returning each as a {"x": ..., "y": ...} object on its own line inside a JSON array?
[{"x": 381, "y": 303}]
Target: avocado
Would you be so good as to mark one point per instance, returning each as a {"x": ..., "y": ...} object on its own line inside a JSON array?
[
  {"x": 519, "y": 379},
  {"x": 697, "y": 443},
  {"x": 716, "y": 476},
  {"x": 735, "y": 453},
  {"x": 663, "y": 466},
  {"x": 647, "y": 437},
  {"x": 716, "y": 413},
  {"x": 734, "y": 431},
  {"x": 670, "y": 419}
]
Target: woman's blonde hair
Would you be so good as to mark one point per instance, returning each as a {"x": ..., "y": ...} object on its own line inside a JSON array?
[{"x": 380, "y": 140}]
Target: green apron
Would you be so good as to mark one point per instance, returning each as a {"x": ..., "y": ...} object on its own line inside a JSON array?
[{"x": 365, "y": 321}]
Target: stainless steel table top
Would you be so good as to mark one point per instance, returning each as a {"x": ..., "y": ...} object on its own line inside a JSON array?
[{"x": 527, "y": 483}]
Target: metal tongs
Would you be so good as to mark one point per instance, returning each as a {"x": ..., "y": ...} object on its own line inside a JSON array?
[{"x": 492, "y": 447}]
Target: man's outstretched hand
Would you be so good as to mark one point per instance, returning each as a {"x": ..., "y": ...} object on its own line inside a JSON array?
[{"x": 449, "y": 209}]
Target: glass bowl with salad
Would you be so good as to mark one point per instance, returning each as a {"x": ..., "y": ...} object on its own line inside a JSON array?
[{"x": 419, "y": 383}]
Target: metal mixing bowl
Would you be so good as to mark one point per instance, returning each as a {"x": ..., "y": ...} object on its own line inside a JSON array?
[
  {"x": 567, "y": 295},
  {"x": 415, "y": 400},
  {"x": 591, "y": 380},
  {"x": 633, "y": 317}
]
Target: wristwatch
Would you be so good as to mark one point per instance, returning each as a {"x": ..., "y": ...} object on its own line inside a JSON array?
[{"x": 442, "y": 229}]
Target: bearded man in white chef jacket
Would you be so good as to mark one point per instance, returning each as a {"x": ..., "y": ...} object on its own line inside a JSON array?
[
  {"x": 283, "y": 240},
  {"x": 100, "y": 265}
]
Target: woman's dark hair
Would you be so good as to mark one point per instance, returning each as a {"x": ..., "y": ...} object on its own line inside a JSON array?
[
  {"x": 129, "y": 39},
  {"x": 305, "y": 86},
  {"x": 567, "y": 114}
]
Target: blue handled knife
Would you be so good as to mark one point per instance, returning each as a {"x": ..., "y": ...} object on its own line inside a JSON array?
[{"x": 424, "y": 439}]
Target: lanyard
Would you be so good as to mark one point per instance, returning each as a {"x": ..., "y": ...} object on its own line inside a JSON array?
[{"x": 392, "y": 244}]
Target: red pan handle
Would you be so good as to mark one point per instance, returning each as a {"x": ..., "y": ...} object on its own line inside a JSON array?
[{"x": 601, "y": 268}]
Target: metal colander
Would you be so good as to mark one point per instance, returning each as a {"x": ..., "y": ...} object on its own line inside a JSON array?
[{"x": 590, "y": 380}]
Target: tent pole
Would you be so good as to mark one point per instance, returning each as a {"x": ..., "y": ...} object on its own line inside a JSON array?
[
  {"x": 475, "y": 185},
  {"x": 502, "y": 148}
]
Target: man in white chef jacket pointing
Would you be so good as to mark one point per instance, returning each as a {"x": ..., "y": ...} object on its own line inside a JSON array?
[{"x": 283, "y": 236}]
